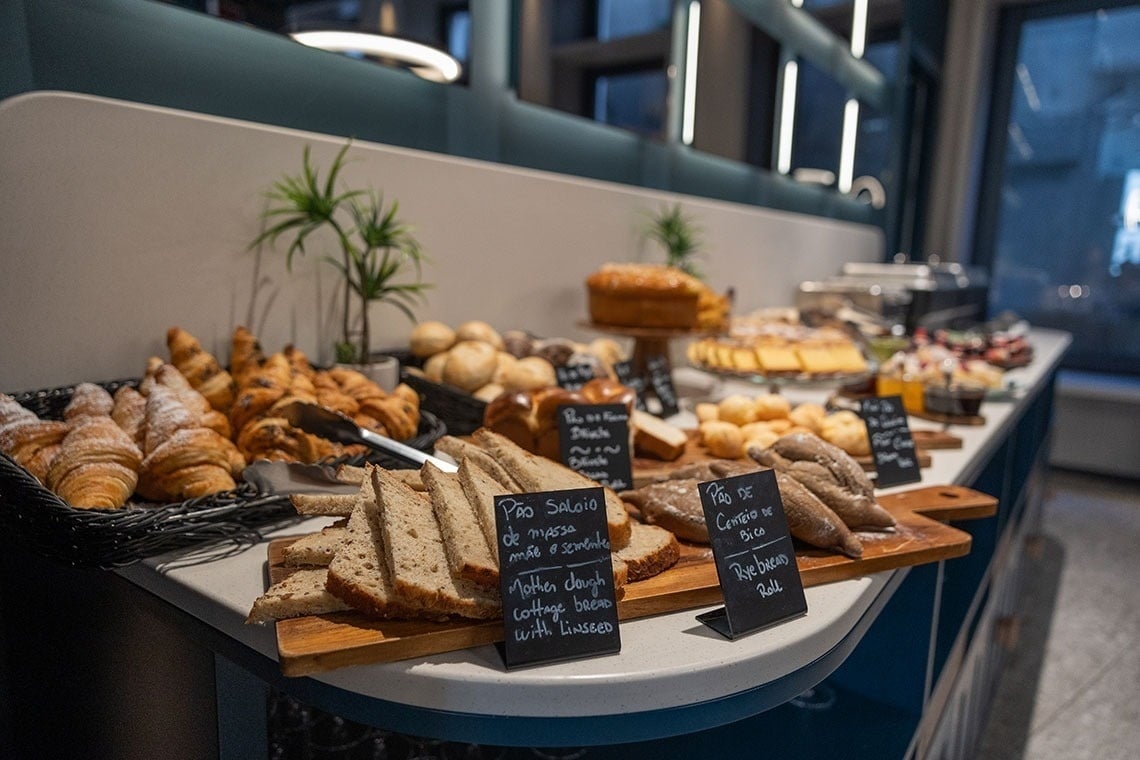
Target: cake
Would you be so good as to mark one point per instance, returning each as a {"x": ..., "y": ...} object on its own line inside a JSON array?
[{"x": 652, "y": 295}]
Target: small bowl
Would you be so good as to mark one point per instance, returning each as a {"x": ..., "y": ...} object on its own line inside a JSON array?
[{"x": 956, "y": 400}]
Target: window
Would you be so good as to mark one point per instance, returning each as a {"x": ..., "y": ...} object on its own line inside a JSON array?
[{"x": 1061, "y": 214}]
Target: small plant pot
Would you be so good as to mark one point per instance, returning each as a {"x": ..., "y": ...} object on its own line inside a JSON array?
[{"x": 382, "y": 370}]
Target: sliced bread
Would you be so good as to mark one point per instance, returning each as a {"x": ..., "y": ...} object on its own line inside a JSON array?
[
  {"x": 303, "y": 592},
  {"x": 651, "y": 550},
  {"x": 352, "y": 474},
  {"x": 316, "y": 548},
  {"x": 536, "y": 473},
  {"x": 460, "y": 449},
  {"x": 467, "y": 551},
  {"x": 358, "y": 573},
  {"x": 416, "y": 555},
  {"x": 481, "y": 490},
  {"x": 324, "y": 504}
]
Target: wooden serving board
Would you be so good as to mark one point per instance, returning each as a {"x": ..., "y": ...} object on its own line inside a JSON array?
[
  {"x": 647, "y": 469},
  {"x": 320, "y": 643}
]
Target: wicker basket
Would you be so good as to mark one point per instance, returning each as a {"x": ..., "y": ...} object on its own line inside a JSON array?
[
  {"x": 461, "y": 412},
  {"x": 114, "y": 538}
]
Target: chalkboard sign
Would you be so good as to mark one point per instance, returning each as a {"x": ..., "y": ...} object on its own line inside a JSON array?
[
  {"x": 573, "y": 376},
  {"x": 594, "y": 440},
  {"x": 753, "y": 551},
  {"x": 628, "y": 376},
  {"x": 556, "y": 576},
  {"x": 661, "y": 378},
  {"x": 896, "y": 461}
]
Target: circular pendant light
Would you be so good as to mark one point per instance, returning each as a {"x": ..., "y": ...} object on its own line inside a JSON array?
[{"x": 423, "y": 60}]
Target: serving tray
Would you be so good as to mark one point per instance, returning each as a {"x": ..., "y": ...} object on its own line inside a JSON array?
[{"x": 320, "y": 643}]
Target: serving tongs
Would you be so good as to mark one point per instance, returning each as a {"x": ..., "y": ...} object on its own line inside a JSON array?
[{"x": 335, "y": 426}]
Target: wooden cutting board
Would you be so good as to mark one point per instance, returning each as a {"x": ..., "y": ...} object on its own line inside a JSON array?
[
  {"x": 647, "y": 469},
  {"x": 320, "y": 643}
]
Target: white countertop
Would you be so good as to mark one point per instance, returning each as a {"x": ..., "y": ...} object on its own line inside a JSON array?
[{"x": 666, "y": 661}]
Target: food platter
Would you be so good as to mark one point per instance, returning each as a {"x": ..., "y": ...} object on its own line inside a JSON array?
[
  {"x": 321, "y": 643},
  {"x": 791, "y": 379}
]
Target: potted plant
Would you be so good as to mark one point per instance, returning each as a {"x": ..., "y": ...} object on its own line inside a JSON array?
[
  {"x": 380, "y": 260},
  {"x": 679, "y": 235}
]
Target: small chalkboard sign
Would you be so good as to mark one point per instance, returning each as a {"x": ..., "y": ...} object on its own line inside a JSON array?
[
  {"x": 594, "y": 441},
  {"x": 556, "y": 576},
  {"x": 753, "y": 551},
  {"x": 661, "y": 379},
  {"x": 628, "y": 376},
  {"x": 892, "y": 446},
  {"x": 572, "y": 377}
]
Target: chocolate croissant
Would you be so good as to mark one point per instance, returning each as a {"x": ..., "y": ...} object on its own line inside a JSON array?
[
  {"x": 97, "y": 465},
  {"x": 201, "y": 369}
]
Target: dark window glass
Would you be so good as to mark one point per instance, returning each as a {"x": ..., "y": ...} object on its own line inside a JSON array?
[
  {"x": 633, "y": 101},
  {"x": 1066, "y": 245}
]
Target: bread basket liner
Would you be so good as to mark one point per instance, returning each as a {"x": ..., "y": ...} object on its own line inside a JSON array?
[{"x": 106, "y": 539}]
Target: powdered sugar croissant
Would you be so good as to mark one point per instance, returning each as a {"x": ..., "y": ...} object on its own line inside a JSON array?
[
  {"x": 97, "y": 465},
  {"x": 193, "y": 462}
]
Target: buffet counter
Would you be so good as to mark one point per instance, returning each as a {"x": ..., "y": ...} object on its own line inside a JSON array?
[{"x": 673, "y": 676}]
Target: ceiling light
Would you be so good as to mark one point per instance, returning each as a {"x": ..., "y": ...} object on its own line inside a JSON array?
[{"x": 425, "y": 61}]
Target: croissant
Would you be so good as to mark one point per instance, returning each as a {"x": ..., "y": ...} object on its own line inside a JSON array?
[
  {"x": 88, "y": 399},
  {"x": 399, "y": 413},
  {"x": 129, "y": 413},
  {"x": 160, "y": 373},
  {"x": 12, "y": 411},
  {"x": 191, "y": 463},
  {"x": 299, "y": 361},
  {"x": 246, "y": 355},
  {"x": 330, "y": 396},
  {"x": 356, "y": 384},
  {"x": 97, "y": 465},
  {"x": 166, "y": 414},
  {"x": 201, "y": 369},
  {"x": 275, "y": 439},
  {"x": 33, "y": 443}
]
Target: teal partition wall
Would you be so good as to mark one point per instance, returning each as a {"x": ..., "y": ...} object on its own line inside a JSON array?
[{"x": 164, "y": 55}]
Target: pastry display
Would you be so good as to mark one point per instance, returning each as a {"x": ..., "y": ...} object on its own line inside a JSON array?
[
  {"x": 653, "y": 296},
  {"x": 167, "y": 441},
  {"x": 478, "y": 360},
  {"x": 778, "y": 346},
  {"x": 736, "y": 423}
]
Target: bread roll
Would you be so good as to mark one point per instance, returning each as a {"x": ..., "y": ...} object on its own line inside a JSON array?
[
  {"x": 430, "y": 338},
  {"x": 479, "y": 331},
  {"x": 470, "y": 365},
  {"x": 528, "y": 374},
  {"x": 722, "y": 439}
]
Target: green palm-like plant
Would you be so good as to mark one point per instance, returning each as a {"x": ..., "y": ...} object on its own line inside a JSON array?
[
  {"x": 387, "y": 248},
  {"x": 679, "y": 235},
  {"x": 375, "y": 246}
]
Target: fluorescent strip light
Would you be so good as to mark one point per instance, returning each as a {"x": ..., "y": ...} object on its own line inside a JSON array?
[
  {"x": 424, "y": 60},
  {"x": 692, "y": 40},
  {"x": 787, "y": 118},
  {"x": 847, "y": 149},
  {"x": 859, "y": 28}
]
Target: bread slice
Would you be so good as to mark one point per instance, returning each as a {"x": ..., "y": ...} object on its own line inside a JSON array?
[
  {"x": 356, "y": 475},
  {"x": 324, "y": 504},
  {"x": 460, "y": 449},
  {"x": 656, "y": 437},
  {"x": 467, "y": 551},
  {"x": 535, "y": 473},
  {"x": 358, "y": 573},
  {"x": 651, "y": 550},
  {"x": 303, "y": 592},
  {"x": 481, "y": 490},
  {"x": 416, "y": 555},
  {"x": 316, "y": 548}
]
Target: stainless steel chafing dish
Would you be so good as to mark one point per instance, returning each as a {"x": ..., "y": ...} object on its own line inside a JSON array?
[{"x": 931, "y": 296}]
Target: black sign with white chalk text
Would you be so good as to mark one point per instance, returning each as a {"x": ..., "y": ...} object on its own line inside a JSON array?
[
  {"x": 661, "y": 379},
  {"x": 892, "y": 446},
  {"x": 556, "y": 576},
  {"x": 573, "y": 376},
  {"x": 629, "y": 377},
  {"x": 753, "y": 551},
  {"x": 594, "y": 441}
]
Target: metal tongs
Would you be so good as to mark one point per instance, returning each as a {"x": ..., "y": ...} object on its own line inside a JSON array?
[{"x": 337, "y": 427}]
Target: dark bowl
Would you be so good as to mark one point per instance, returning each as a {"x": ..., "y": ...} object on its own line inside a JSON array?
[{"x": 954, "y": 400}]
